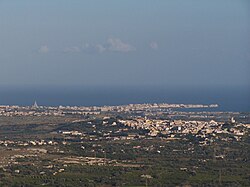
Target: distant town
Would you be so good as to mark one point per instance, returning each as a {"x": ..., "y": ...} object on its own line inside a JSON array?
[
  {"x": 35, "y": 110},
  {"x": 46, "y": 145}
]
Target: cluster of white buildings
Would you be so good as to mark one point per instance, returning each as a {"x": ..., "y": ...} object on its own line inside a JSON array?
[
  {"x": 27, "y": 143},
  {"x": 174, "y": 127},
  {"x": 35, "y": 110}
]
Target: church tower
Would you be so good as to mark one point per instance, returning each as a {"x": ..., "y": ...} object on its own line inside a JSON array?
[{"x": 35, "y": 105}]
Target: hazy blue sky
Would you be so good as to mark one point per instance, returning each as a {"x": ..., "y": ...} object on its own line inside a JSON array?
[{"x": 125, "y": 42}]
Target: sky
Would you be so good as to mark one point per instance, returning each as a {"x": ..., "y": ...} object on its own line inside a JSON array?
[{"x": 125, "y": 43}]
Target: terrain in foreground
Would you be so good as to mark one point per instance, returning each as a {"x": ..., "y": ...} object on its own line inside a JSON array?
[{"x": 130, "y": 145}]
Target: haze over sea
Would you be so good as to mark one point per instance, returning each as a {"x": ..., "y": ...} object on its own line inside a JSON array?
[{"x": 229, "y": 99}]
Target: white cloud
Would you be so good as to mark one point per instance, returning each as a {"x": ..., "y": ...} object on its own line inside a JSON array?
[
  {"x": 100, "y": 48},
  {"x": 43, "y": 49},
  {"x": 111, "y": 45},
  {"x": 154, "y": 45},
  {"x": 116, "y": 45}
]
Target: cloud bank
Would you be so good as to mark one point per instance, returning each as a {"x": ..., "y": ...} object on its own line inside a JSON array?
[
  {"x": 115, "y": 44},
  {"x": 111, "y": 45}
]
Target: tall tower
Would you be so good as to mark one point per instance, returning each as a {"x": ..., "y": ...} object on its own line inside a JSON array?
[{"x": 35, "y": 105}]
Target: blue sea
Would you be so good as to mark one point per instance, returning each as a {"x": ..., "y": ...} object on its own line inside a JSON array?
[{"x": 229, "y": 99}]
